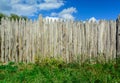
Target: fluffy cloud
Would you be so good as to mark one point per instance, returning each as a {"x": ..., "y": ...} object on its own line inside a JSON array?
[
  {"x": 51, "y": 18},
  {"x": 69, "y": 11},
  {"x": 27, "y": 10},
  {"x": 53, "y": 1},
  {"x": 51, "y": 4},
  {"x": 66, "y": 13},
  {"x": 28, "y": 7},
  {"x": 92, "y": 19},
  {"x": 48, "y": 6}
]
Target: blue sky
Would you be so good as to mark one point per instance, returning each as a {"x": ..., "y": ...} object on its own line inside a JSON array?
[{"x": 66, "y": 9}]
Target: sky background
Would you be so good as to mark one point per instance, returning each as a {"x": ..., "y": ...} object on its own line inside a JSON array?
[{"x": 66, "y": 9}]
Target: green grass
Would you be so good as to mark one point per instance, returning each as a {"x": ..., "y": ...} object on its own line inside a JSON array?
[{"x": 58, "y": 72}]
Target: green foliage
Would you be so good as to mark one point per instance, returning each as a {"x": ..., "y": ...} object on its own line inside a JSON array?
[
  {"x": 2, "y": 16},
  {"x": 12, "y": 16},
  {"x": 48, "y": 70},
  {"x": 49, "y": 61}
]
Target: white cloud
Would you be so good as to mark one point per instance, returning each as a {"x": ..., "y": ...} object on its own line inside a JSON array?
[
  {"x": 28, "y": 7},
  {"x": 51, "y": 4},
  {"x": 69, "y": 11},
  {"x": 53, "y": 1},
  {"x": 48, "y": 6},
  {"x": 66, "y": 13},
  {"x": 92, "y": 19},
  {"x": 67, "y": 16},
  {"x": 51, "y": 18},
  {"x": 27, "y": 10},
  {"x": 14, "y": 1},
  {"x": 54, "y": 14}
]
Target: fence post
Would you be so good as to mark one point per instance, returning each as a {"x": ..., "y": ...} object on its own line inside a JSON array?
[
  {"x": 40, "y": 20},
  {"x": 118, "y": 37}
]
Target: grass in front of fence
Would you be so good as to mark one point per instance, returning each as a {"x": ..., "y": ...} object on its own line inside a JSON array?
[{"x": 56, "y": 71}]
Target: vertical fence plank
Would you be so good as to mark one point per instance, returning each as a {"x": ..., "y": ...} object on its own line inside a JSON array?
[
  {"x": 20, "y": 41},
  {"x": 16, "y": 40},
  {"x": 95, "y": 39},
  {"x": 70, "y": 41},
  {"x": 118, "y": 37},
  {"x": 113, "y": 39},
  {"x": 79, "y": 42},
  {"x": 67, "y": 41},
  {"x": 2, "y": 39}
]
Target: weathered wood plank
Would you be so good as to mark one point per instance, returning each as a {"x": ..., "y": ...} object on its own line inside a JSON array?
[{"x": 118, "y": 37}]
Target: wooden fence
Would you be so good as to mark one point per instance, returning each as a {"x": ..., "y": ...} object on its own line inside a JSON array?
[{"x": 22, "y": 41}]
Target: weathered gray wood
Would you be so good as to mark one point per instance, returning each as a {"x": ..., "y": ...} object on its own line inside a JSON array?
[
  {"x": 2, "y": 39},
  {"x": 67, "y": 41},
  {"x": 118, "y": 37},
  {"x": 79, "y": 42},
  {"x": 20, "y": 28},
  {"x": 113, "y": 39},
  {"x": 95, "y": 40},
  {"x": 72, "y": 41},
  {"x": 16, "y": 40}
]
